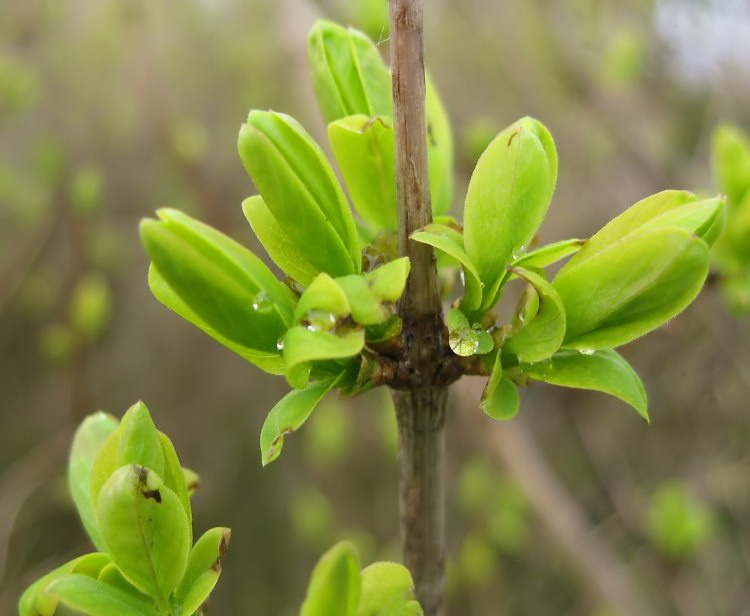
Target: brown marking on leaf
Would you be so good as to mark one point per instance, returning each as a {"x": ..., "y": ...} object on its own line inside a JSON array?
[
  {"x": 513, "y": 134},
  {"x": 155, "y": 494}
]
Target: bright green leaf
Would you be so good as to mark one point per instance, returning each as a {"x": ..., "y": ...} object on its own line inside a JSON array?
[
  {"x": 288, "y": 415},
  {"x": 203, "y": 569},
  {"x": 174, "y": 479},
  {"x": 323, "y": 295},
  {"x": 539, "y": 338},
  {"x": 305, "y": 345},
  {"x": 439, "y": 150},
  {"x": 364, "y": 150},
  {"x": 223, "y": 283},
  {"x": 549, "y": 254},
  {"x": 387, "y": 282},
  {"x": 500, "y": 398},
  {"x": 384, "y": 585},
  {"x": 278, "y": 244},
  {"x": 631, "y": 287},
  {"x": 366, "y": 308},
  {"x": 146, "y": 530},
  {"x": 451, "y": 242},
  {"x": 86, "y": 443},
  {"x": 269, "y": 361},
  {"x": 95, "y": 598},
  {"x": 139, "y": 442},
  {"x": 730, "y": 150},
  {"x": 348, "y": 74},
  {"x": 334, "y": 588},
  {"x": 603, "y": 370},
  {"x": 301, "y": 191},
  {"x": 507, "y": 199}
]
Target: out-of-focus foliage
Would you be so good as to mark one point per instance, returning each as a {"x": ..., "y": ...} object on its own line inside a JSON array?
[{"x": 150, "y": 95}]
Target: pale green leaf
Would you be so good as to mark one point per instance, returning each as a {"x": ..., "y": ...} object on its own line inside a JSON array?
[
  {"x": 288, "y": 415},
  {"x": 603, "y": 370},
  {"x": 95, "y": 598},
  {"x": 278, "y": 244},
  {"x": 500, "y": 398},
  {"x": 203, "y": 569},
  {"x": 335, "y": 584},
  {"x": 386, "y": 587},
  {"x": 86, "y": 443},
  {"x": 305, "y": 345},
  {"x": 439, "y": 150},
  {"x": 146, "y": 530},
  {"x": 730, "y": 153},
  {"x": 631, "y": 287}
]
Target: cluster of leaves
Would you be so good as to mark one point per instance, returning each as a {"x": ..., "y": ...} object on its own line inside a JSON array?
[
  {"x": 337, "y": 586},
  {"x": 133, "y": 498},
  {"x": 731, "y": 165},
  {"x": 335, "y": 311}
]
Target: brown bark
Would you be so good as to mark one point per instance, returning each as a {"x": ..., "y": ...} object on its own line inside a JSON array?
[{"x": 420, "y": 407}]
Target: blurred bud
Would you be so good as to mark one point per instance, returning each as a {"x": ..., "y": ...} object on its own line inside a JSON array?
[
  {"x": 86, "y": 190},
  {"x": 91, "y": 307}
]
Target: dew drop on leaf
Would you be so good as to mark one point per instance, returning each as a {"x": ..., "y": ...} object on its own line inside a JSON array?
[
  {"x": 262, "y": 302},
  {"x": 280, "y": 342},
  {"x": 319, "y": 320},
  {"x": 586, "y": 351},
  {"x": 464, "y": 342}
]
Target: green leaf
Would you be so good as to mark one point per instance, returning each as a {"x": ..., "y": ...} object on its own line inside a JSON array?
[
  {"x": 203, "y": 569},
  {"x": 500, "y": 397},
  {"x": 305, "y": 345},
  {"x": 631, "y": 287},
  {"x": 366, "y": 308},
  {"x": 507, "y": 199},
  {"x": 451, "y": 242},
  {"x": 277, "y": 242},
  {"x": 146, "y": 530},
  {"x": 464, "y": 339},
  {"x": 288, "y": 415},
  {"x": 669, "y": 208},
  {"x": 36, "y": 602},
  {"x": 301, "y": 191},
  {"x": 86, "y": 443},
  {"x": 439, "y": 150},
  {"x": 348, "y": 74},
  {"x": 730, "y": 151},
  {"x": 222, "y": 282},
  {"x": 139, "y": 442},
  {"x": 549, "y": 254},
  {"x": 174, "y": 479},
  {"x": 95, "y": 598},
  {"x": 386, "y": 587},
  {"x": 334, "y": 588},
  {"x": 270, "y": 362},
  {"x": 540, "y": 337},
  {"x": 388, "y": 281},
  {"x": 104, "y": 465},
  {"x": 323, "y": 298},
  {"x": 603, "y": 370},
  {"x": 364, "y": 150}
]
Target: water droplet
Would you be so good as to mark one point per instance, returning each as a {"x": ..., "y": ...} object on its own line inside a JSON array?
[
  {"x": 518, "y": 252},
  {"x": 586, "y": 351},
  {"x": 262, "y": 302},
  {"x": 280, "y": 342},
  {"x": 462, "y": 277},
  {"x": 464, "y": 342},
  {"x": 319, "y": 320}
]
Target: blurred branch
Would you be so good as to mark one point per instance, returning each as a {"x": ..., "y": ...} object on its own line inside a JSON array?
[{"x": 512, "y": 444}]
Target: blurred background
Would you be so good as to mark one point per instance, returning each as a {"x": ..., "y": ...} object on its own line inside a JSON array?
[{"x": 110, "y": 110}]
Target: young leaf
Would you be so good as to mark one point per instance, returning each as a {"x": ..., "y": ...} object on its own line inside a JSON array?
[
  {"x": 730, "y": 150},
  {"x": 323, "y": 295},
  {"x": 384, "y": 586},
  {"x": 222, "y": 282},
  {"x": 288, "y": 415},
  {"x": 174, "y": 479},
  {"x": 466, "y": 340},
  {"x": 364, "y": 150},
  {"x": 305, "y": 345},
  {"x": 451, "y": 242},
  {"x": 139, "y": 442},
  {"x": 669, "y": 208},
  {"x": 35, "y": 601},
  {"x": 366, "y": 308},
  {"x": 277, "y": 242},
  {"x": 388, "y": 281},
  {"x": 146, "y": 530},
  {"x": 500, "y": 397},
  {"x": 549, "y": 254},
  {"x": 348, "y": 74},
  {"x": 335, "y": 584},
  {"x": 439, "y": 150},
  {"x": 603, "y": 370},
  {"x": 507, "y": 198},
  {"x": 301, "y": 191},
  {"x": 95, "y": 598},
  {"x": 543, "y": 335},
  {"x": 630, "y": 288},
  {"x": 86, "y": 443},
  {"x": 270, "y": 362},
  {"x": 203, "y": 569}
]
